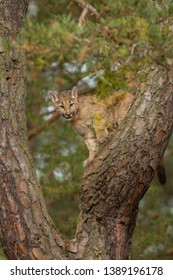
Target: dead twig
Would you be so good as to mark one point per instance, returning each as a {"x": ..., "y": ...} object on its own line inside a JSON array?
[
  {"x": 134, "y": 46},
  {"x": 86, "y": 8},
  {"x": 83, "y": 16}
]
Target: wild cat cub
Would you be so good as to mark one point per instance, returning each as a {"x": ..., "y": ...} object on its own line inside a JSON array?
[{"x": 91, "y": 117}]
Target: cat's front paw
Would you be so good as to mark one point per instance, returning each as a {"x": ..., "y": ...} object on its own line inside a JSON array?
[{"x": 86, "y": 162}]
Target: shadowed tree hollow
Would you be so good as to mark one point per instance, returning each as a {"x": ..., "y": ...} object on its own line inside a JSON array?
[{"x": 112, "y": 186}]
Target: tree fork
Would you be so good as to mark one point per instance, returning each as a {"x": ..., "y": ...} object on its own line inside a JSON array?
[{"x": 112, "y": 185}]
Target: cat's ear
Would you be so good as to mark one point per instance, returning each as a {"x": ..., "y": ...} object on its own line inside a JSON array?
[
  {"x": 54, "y": 96},
  {"x": 74, "y": 92}
]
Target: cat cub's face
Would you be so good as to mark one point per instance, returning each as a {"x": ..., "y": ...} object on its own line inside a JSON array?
[{"x": 67, "y": 103}]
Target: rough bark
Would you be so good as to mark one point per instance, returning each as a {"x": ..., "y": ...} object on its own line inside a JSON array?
[
  {"x": 26, "y": 230},
  {"x": 12, "y": 14},
  {"x": 111, "y": 187},
  {"x": 119, "y": 177}
]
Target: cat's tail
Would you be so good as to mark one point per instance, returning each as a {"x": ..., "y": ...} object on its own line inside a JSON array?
[{"x": 161, "y": 172}]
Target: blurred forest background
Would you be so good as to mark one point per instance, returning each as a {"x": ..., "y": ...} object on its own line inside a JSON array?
[{"x": 98, "y": 46}]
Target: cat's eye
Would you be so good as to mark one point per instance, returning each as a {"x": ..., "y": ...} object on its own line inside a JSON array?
[
  {"x": 61, "y": 106},
  {"x": 71, "y": 104}
]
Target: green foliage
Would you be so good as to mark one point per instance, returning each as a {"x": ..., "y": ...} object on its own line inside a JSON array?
[{"x": 55, "y": 36}]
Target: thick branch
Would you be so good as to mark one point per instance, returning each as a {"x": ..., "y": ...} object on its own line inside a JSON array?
[{"x": 119, "y": 177}]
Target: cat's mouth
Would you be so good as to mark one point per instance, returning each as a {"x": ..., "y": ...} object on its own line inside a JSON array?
[{"x": 68, "y": 117}]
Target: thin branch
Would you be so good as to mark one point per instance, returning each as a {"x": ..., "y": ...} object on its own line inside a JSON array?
[
  {"x": 83, "y": 16},
  {"x": 48, "y": 113},
  {"x": 35, "y": 131},
  {"x": 86, "y": 8},
  {"x": 93, "y": 10}
]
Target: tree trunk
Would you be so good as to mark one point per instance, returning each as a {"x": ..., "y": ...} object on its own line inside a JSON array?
[
  {"x": 115, "y": 183},
  {"x": 111, "y": 187},
  {"x": 26, "y": 230}
]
